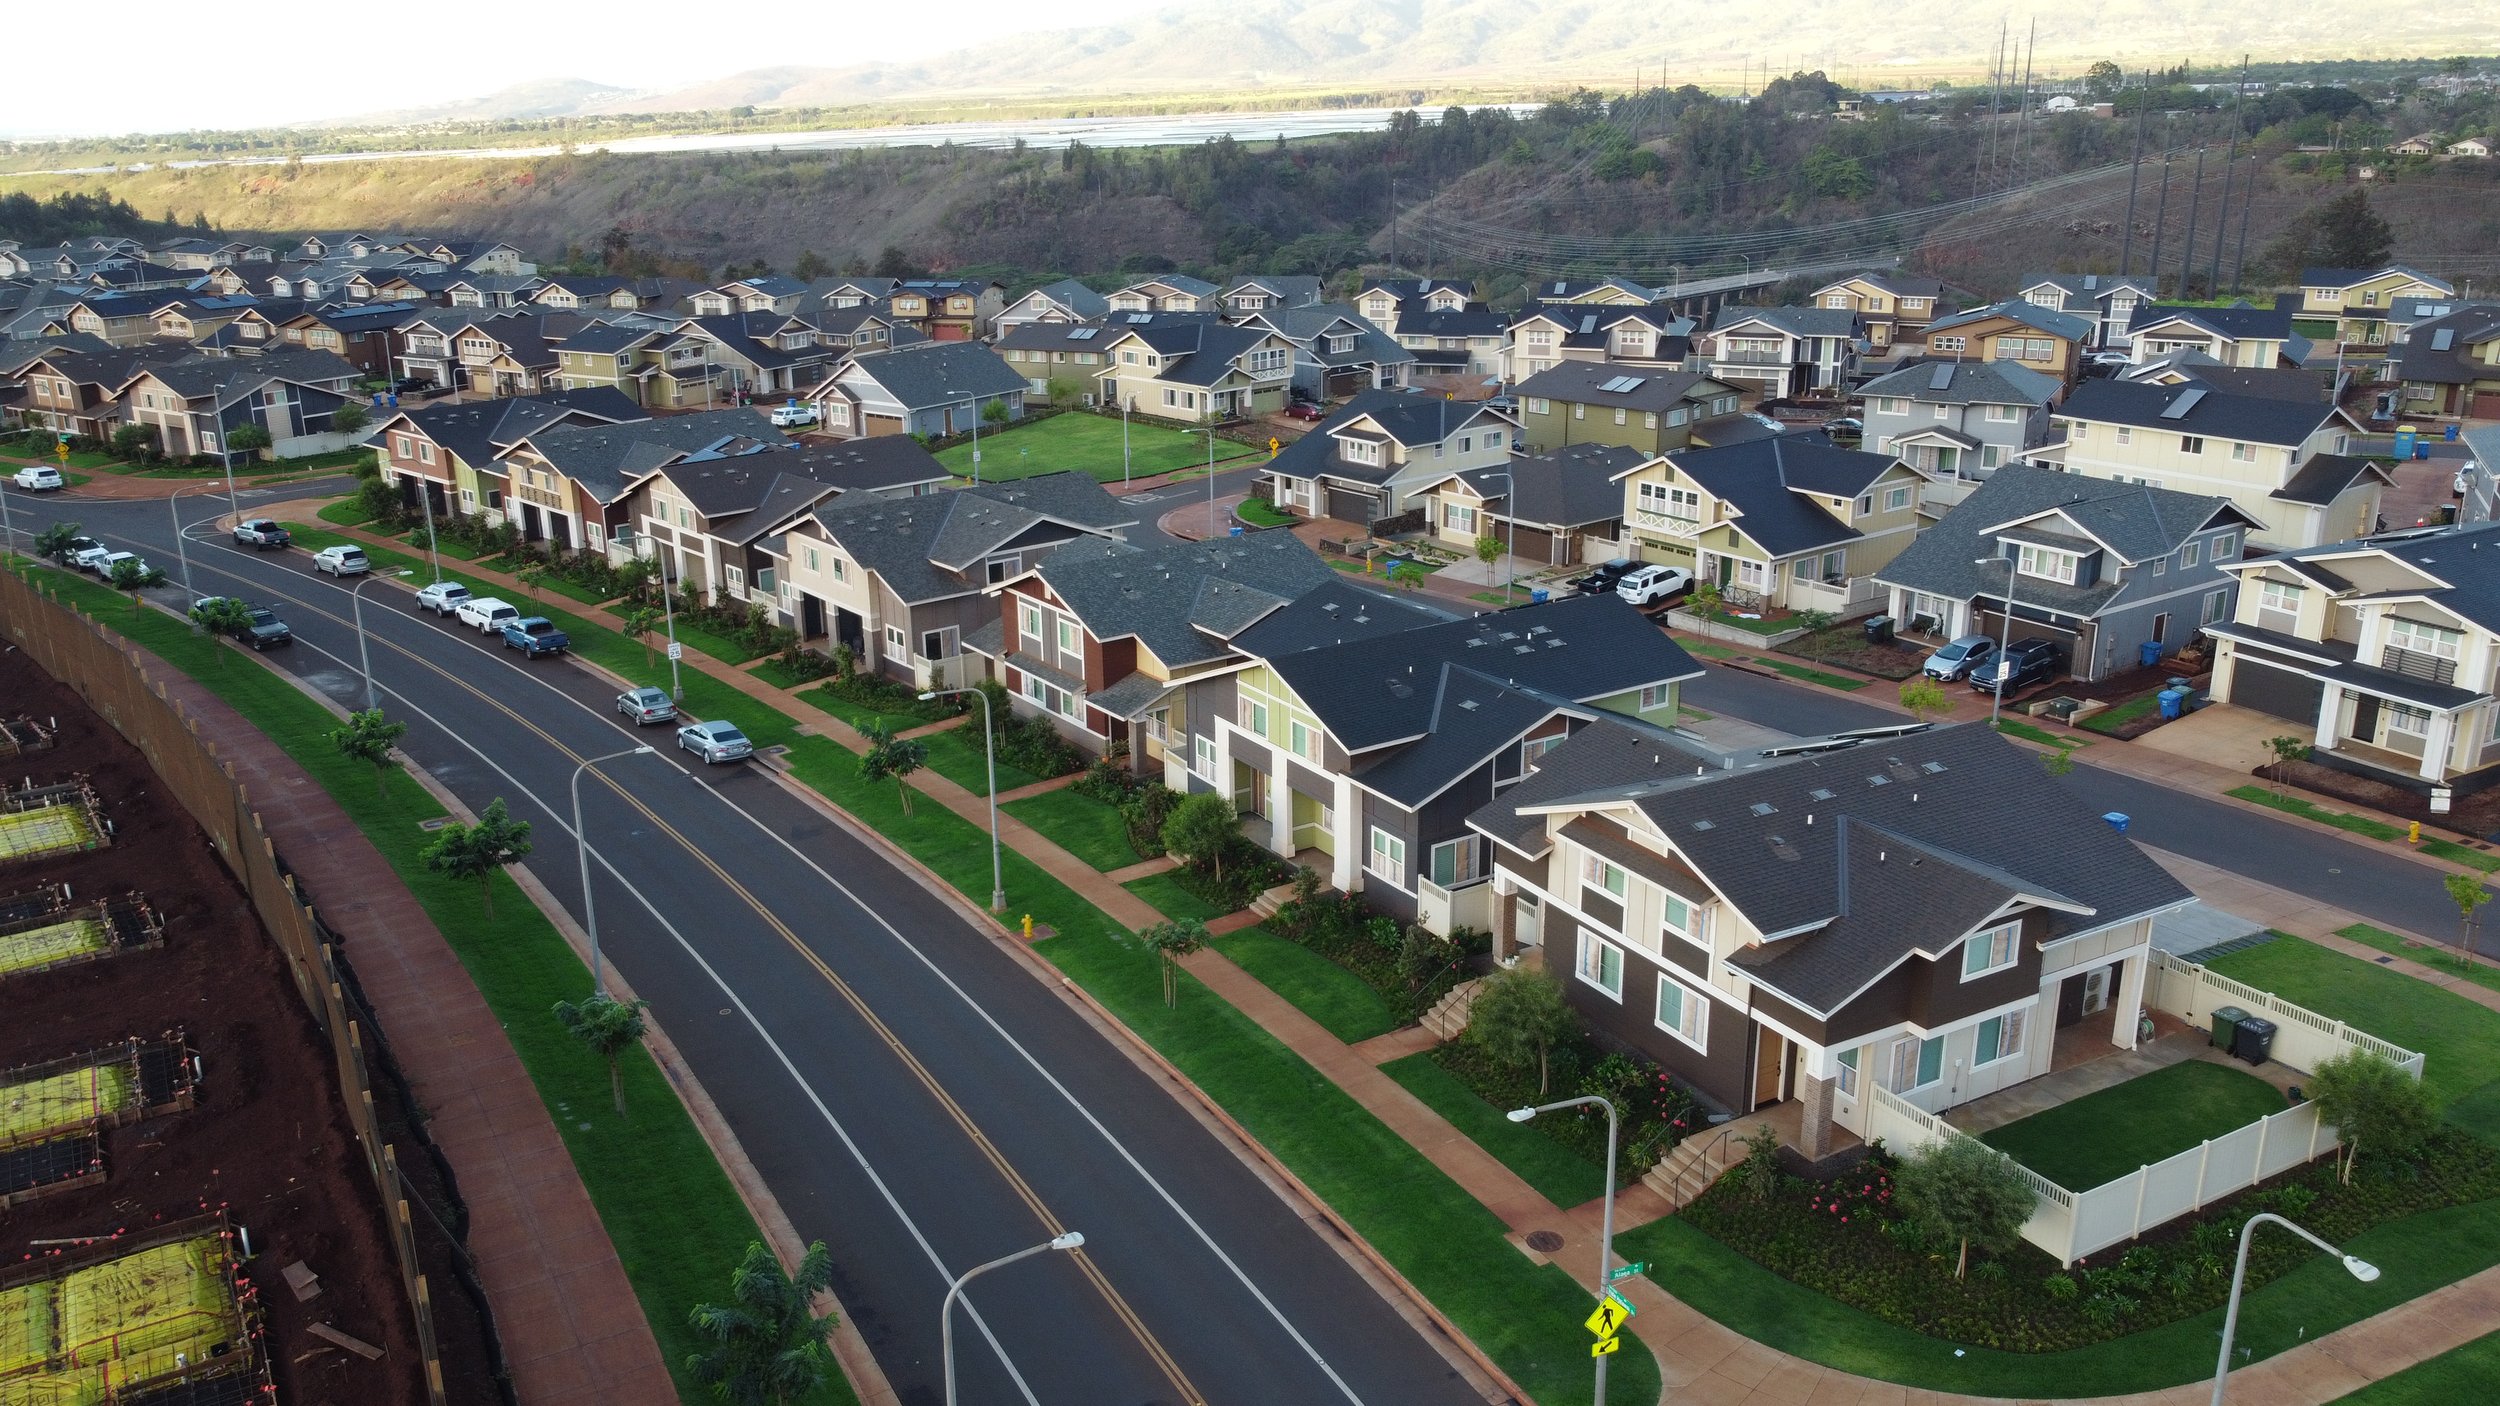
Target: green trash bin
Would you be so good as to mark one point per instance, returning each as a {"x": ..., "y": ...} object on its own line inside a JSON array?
[{"x": 2227, "y": 1026}]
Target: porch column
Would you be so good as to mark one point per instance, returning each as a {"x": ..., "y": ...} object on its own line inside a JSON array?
[
  {"x": 1279, "y": 805},
  {"x": 1814, "y": 1125},
  {"x": 1505, "y": 919},
  {"x": 2330, "y": 716},
  {"x": 2129, "y": 1005},
  {"x": 2436, "y": 747}
]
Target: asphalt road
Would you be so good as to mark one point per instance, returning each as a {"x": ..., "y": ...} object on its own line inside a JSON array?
[
  {"x": 912, "y": 1095},
  {"x": 2357, "y": 877}
]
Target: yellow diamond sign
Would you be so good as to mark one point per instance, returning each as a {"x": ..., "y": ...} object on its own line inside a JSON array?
[{"x": 1610, "y": 1316}]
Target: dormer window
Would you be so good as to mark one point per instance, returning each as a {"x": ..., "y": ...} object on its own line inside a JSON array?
[
  {"x": 1359, "y": 451},
  {"x": 1985, "y": 953},
  {"x": 2047, "y": 563}
]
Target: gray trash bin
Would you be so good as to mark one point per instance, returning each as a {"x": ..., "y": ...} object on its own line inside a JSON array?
[{"x": 2253, "y": 1041}]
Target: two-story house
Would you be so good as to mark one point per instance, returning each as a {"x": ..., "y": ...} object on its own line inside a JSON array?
[
  {"x": 930, "y": 388},
  {"x": 1194, "y": 372},
  {"x": 1585, "y": 402},
  {"x": 1045, "y": 351},
  {"x": 1375, "y": 457},
  {"x": 1958, "y": 421},
  {"x": 2106, "y": 300},
  {"x": 1063, "y": 301},
  {"x": 1923, "y": 914},
  {"x": 1335, "y": 353},
  {"x": 451, "y": 451},
  {"x": 123, "y": 319},
  {"x": 2239, "y": 335},
  {"x": 2016, "y": 330},
  {"x": 1895, "y": 307},
  {"x": 1634, "y": 337},
  {"x": 1791, "y": 521},
  {"x": 2286, "y": 464},
  {"x": 2357, "y": 300},
  {"x": 765, "y": 293},
  {"x": 718, "y": 524},
  {"x": 568, "y": 484},
  {"x": 1104, "y": 639},
  {"x": 1783, "y": 353},
  {"x": 902, "y": 581},
  {"x": 72, "y": 382},
  {"x": 946, "y": 309},
  {"x": 361, "y": 334},
  {"x": 2450, "y": 364},
  {"x": 1172, "y": 292},
  {"x": 2098, "y": 569},
  {"x": 1363, "y": 731},
  {"x": 1382, "y": 301},
  {"x": 1463, "y": 341},
  {"x": 1551, "y": 509},
  {"x": 1267, "y": 292},
  {"x": 2383, "y": 653},
  {"x": 193, "y": 405}
]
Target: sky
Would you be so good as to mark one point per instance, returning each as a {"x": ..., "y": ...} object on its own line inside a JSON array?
[{"x": 166, "y": 75}]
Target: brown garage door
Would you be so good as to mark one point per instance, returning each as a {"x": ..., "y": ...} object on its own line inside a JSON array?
[
  {"x": 2486, "y": 405},
  {"x": 2277, "y": 693}
]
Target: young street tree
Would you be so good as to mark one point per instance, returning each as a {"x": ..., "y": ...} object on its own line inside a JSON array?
[
  {"x": 2282, "y": 752},
  {"x": 1965, "y": 1189},
  {"x": 2369, "y": 1099},
  {"x": 1200, "y": 829},
  {"x": 2467, "y": 892},
  {"x": 368, "y": 738},
  {"x": 1925, "y": 699},
  {"x": 1517, "y": 1018},
  {"x": 766, "y": 1345},
  {"x": 609, "y": 1027},
  {"x": 892, "y": 758},
  {"x": 1172, "y": 941},
  {"x": 133, "y": 576},
  {"x": 479, "y": 851},
  {"x": 639, "y": 622}
]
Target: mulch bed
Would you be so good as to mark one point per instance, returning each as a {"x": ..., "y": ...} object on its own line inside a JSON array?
[
  {"x": 2474, "y": 817},
  {"x": 268, "y": 1142},
  {"x": 1846, "y": 645}
]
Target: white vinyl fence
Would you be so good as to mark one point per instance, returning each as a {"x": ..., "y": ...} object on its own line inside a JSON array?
[{"x": 2073, "y": 1224}]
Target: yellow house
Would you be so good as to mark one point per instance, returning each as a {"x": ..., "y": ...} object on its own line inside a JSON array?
[
  {"x": 1791, "y": 521},
  {"x": 1196, "y": 371},
  {"x": 2358, "y": 299},
  {"x": 1895, "y": 307}
]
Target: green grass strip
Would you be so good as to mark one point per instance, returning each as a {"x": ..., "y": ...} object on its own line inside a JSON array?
[
  {"x": 2466, "y": 855},
  {"x": 2444, "y": 959},
  {"x": 1163, "y": 893},
  {"x": 1338, "y": 999},
  {"x": 2118, "y": 715},
  {"x": 1092, "y": 831},
  {"x": 1814, "y": 676},
  {"x": 2341, "y": 820},
  {"x": 2457, "y": 1375},
  {"x": 2016, "y": 727},
  {"x": 346, "y": 512},
  {"x": 1559, "y": 1175},
  {"x": 678, "y": 1225},
  {"x": 1708, "y": 650},
  {"x": 960, "y": 755}
]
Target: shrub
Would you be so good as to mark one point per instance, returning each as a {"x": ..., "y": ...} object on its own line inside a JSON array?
[
  {"x": 2370, "y": 1100},
  {"x": 1518, "y": 1018},
  {"x": 1200, "y": 829},
  {"x": 1145, "y": 814},
  {"x": 1969, "y": 1192}
]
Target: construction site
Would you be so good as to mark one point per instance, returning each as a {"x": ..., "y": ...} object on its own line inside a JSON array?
[{"x": 188, "y": 1216}]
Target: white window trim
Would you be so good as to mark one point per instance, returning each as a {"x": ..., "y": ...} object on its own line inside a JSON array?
[
  {"x": 2010, "y": 934},
  {"x": 1602, "y": 949},
  {"x": 1696, "y": 1006},
  {"x": 2019, "y": 1019},
  {"x": 1373, "y": 851}
]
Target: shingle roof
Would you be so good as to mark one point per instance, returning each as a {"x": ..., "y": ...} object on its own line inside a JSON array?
[
  {"x": 2028, "y": 314},
  {"x": 920, "y": 546},
  {"x": 479, "y": 431},
  {"x": 1796, "y": 322},
  {"x": 2325, "y": 477},
  {"x": 1965, "y": 383},
  {"x": 2345, "y": 278},
  {"x": 1765, "y": 481},
  {"x": 1183, "y": 601},
  {"x": 1569, "y": 488},
  {"x": 2092, "y": 287},
  {"x": 1473, "y": 320},
  {"x": 1068, "y": 293},
  {"x": 928, "y": 374},
  {"x": 2237, "y": 323},
  {"x": 606, "y": 460},
  {"x": 2212, "y": 413},
  {"x": 1612, "y": 750},
  {"x": 2137, "y": 522},
  {"x": 199, "y": 376},
  {"x": 1413, "y": 419},
  {"x": 1585, "y": 382},
  {"x": 868, "y": 465}
]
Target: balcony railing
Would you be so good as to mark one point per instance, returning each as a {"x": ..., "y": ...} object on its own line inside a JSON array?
[
  {"x": 1669, "y": 523},
  {"x": 1755, "y": 358}
]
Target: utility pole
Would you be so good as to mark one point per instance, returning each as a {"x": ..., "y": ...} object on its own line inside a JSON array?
[
  {"x": 2222, "y": 212},
  {"x": 2022, "y": 149},
  {"x": 2187, "y": 246},
  {"x": 1393, "y": 224},
  {"x": 2161, "y": 210},
  {"x": 2248, "y": 197},
  {"x": 2135, "y": 177}
]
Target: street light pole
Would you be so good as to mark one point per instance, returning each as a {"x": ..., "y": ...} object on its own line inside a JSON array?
[
  {"x": 1124, "y": 463},
  {"x": 2005, "y": 639},
  {"x": 364, "y": 656},
  {"x": 425, "y": 500},
  {"x": 989, "y": 744},
  {"x": 976, "y": 440},
  {"x": 2354, "y": 1265},
  {"x": 1606, "y": 1235},
  {"x": 946, "y": 1311},
  {"x": 581, "y": 847},
  {"x": 182, "y": 551},
  {"x": 225, "y": 451},
  {"x": 668, "y": 611},
  {"x": 1510, "y": 532}
]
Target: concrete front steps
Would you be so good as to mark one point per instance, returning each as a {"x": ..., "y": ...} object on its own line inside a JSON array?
[
  {"x": 1447, "y": 1020},
  {"x": 1696, "y": 1162}
]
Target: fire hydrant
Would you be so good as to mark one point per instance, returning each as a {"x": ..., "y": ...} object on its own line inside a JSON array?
[{"x": 1028, "y": 927}]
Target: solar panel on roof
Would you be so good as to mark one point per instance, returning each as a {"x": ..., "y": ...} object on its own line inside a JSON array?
[
  {"x": 1940, "y": 377},
  {"x": 2443, "y": 339},
  {"x": 2185, "y": 403},
  {"x": 1083, "y": 334},
  {"x": 1588, "y": 323}
]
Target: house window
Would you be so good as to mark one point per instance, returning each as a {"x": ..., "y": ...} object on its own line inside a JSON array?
[
  {"x": 1071, "y": 640},
  {"x": 1684, "y": 1013},
  {"x": 2280, "y": 595},
  {"x": 1202, "y": 758},
  {"x": 1536, "y": 747},
  {"x": 2191, "y": 444},
  {"x": 1916, "y": 1063},
  {"x": 1990, "y": 951},
  {"x": 1649, "y": 420},
  {"x": 2003, "y": 414},
  {"x": 1752, "y": 575},
  {"x": 896, "y": 647},
  {"x": 1887, "y": 405},
  {"x": 1655, "y": 696},
  {"x": 2214, "y": 603},
  {"x": 404, "y": 447},
  {"x": 1848, "y": 1073},
  {"x": 1600, "y": 964},
  {"x": 1945, "y": 344},
  {"x": 1539, "y": 405},
  {"x": 2000, "y": 1037},
  {"x": 2048, "y": 565},
  {"x": 2423, "y": 639},
  {"x": 1681, "y": 918},
  {"x": 1305, "y": 741},
  {"x": 1579, "y": 412},
  {"x": 735, "y": 576},
  {"x": 1029, "y": 623},
  {"x": 1493, "y": 439},
  {"x": 2126, "y": 433},
  {"x": 1456, "y": 862},
  {"x": 1598, "y": 874},
  {"x": 1942, "y": 412},
  {"x": 1049, "y": 697},
  {"x": 2226, "y": 546},
  {"x": 2161, "y": 565},
  {"x": 1387, "y": 856},
  {"x": 1991, "y": 456},
  {"x": 2407, "y": 719},
  {"x": 1458, "y": 519},
  {"x": 1254, "y": 717},
  {"x": 933, "y": 645},
  {"x": 1359, "y": 451},
  {"x": 1895, "y": 499},
  {"x": 1620, "y": 417},
  {"x": 2243, "y": 451}
]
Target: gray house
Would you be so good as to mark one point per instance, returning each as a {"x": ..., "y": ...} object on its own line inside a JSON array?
[
  {"x": 2099, "y": 568},
  {"x": 1958, "y": 421},
  {"x": 928, "y": 388},
  {"x": 1335, "y": 353}
]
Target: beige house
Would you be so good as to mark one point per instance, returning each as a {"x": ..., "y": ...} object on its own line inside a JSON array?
[
  {"x": 1895, "y": 307},
  {"x": 1177, "y": 292},
  {"x": 1791, "y": 521},
  {"x": 2234, "y": 336},
  {"x": 1194, "y": 372}
]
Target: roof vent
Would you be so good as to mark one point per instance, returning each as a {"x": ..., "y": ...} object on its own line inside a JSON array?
[
  {"x": 1931, "y": 768},
  {"x": 1819, "y": 794},
  {"x": 1782, "y": 849},
  {"x": 1467, "y": 703},
  {"x": 1878, "y": 779},
  {"x": 1471, "y": 644},
  {"x": 1705, "y": 825},
  {"x": 1523, "y": 649},
  {"x": 1764, "y": 808}
]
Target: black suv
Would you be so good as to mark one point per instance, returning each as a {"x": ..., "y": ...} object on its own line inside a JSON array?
[
  {"x": 254, "y": 625},
  {"x": 2026, "y": 663}
]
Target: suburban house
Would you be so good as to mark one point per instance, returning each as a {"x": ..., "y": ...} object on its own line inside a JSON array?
[
  {"x": 1583, "y": 402},
  {"x": 933, "y": 388},
  {"x": 2051, "y": 343},
  {"x": 946, "y": 309},
  {"x": 1104, "y": 639},
  {"x": 1363, "y": 731},
  {"x": 717, "y": 523},
  {"x": 574, "y": 292},
  {"x": 1335, "y": 353},
  {"x": 2450, "y": 365},
  {"x": 566, "y": 484},
  {"x": 1268, "y": 292},
  {"x": 766, "y": 354},
  {"x": 2420, "y": 144},
  {"x": 1173, "y": 292},
  {"x": 2234, "y": 336},
  {"x": 1043, "y": 350},
  {"x": 1790, "y": 520},
  {"x": 2358, "y": 299},
  {"x": 1064, "y": 301},
  {"x": 1375, "y": 457},
  {"x": 449, "y": 450},
  {"x": 2107, "y": 300},
  {"x": 2470, "y": 146},
  {"x": 193, "y": 405},
  {"x": 123, "y": 319},
  {"x": 1460, "y": 341},
  {"x": 487, "y": 290},
  {"x": 1593, "y": 290},
  {"x": 2381, "y": 652},
  {"x": 854, "y": 292},
  {"x": 2286, "y": 464},
  {"x": 1896, "y": 307},
  {"x": 73, "y": 382},
  {"x": 361, "y": 334},
  {"x": 1958, "y": 421},
  {"x": 2099, "y": 569},
  {"x": 490, "y": 353},
  {"x": 1195, "y": 371},
  {"x": 1382, "y": 301},
  {"x": 197, "y": 318},
  {"x": 1640, "y": 338},
  {"x": 1783, "y": 353},
  {"x": 1554, "y": 509},
  {"x": 902, "y": 581},
  {"x": 1927, "y": 912},
  {"x": 767, "y": 293}
]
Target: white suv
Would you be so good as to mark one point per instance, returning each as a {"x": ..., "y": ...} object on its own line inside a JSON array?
[
  {"x": 1652, "y": 584},
  {"x": 792, "y": 416},
  {"x": 35, "y": 478},
  {"x": 443, "y": 597}
]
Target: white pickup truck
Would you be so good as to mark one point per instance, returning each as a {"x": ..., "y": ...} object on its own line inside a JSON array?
[{"x": 486, "y": 615}]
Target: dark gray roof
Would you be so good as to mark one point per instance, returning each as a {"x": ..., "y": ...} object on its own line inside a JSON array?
[
  {"x": 1965, "y": 383},
  {"x": 1179, "y": 283},
  {"x": 1306, "y": 324},
  {"x": 868, "y": 465},
  {"x": 1412, "y": 418},
  {"x": 2437, "y": 351},
  {"x": 1472, "y": 716},
  {"x": 923, "y": 548},
  {"x": 2458, "y": 577},
  {"x": 1078, "y": 299},
  {"x": 2134, "y": 521},
  {"x": 1767, "y": 482},
  {"x": 2029, "y": 314},
  {"x": 2326, "y": 477},
  {"x": 1584, "y": 382},
  {"x": 1199, "y": 352},
  {"x": 479, "y": 431},
  {"x": 1341, "y": 612},
  {"x": 1183, "y": 601},
  {"x": 1796, "y": 322},
  {"x": 606, "y": 460},
  {"x": 1473, "y": 320},
  {"x": 928, "y": 374},
  {"x": 606, "y": 338},
  {"x": 203, "y": 375},
  {"x": 2345, "y": 278},
  {"x": 1569, "y": 488},
  {"x": 1295, "y": 289},
  {"x": 2237, "y": 322},
  {"x": 1908, "y": 285},
  {"x": 2295, "y": 383},
  {"x": 1609, "y": 751},
  {"x": 2211, "y": 413}
]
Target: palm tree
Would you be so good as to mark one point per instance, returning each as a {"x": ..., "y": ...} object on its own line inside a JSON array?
[{"x": 766, "y": 1346}]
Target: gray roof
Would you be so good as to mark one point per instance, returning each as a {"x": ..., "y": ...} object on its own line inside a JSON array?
[
  {"x": 1179, "y": 283},
  {"x": 1197, "y": 352},
  {"x": 2208, "y": 412},
  {"x": 1073, "y": 295},
  {"x": 2459, "y": 577},
  {"x": 1412, "y": 418},
  {"x": 1796, "y": 322},
  {"x": 2092, "y": 287},
  {"x": 1183, "y": 601},
  {"x": 606, "y": 460},
  {"x": 868, "y": 465},
  {"x": 2240, "y": 321},
  {"x": 928, "y": 374},
  {"x": 1767, "y": 482},
  {"x": 2323, "y": 478},
  {"x": 2345, "y": 278},
  {"x": 1344, "y": 611},
  {"x": 1609, "y": 751},
  {"x": 2136, "y": 522},
  {"x": 1297, "y": 289},
  {"x": 1305, "y": 324},
  {"x": 1965, "y": 383},
  {"x": 924, "y": 548},
  {"x": 479, "y": 431},
  {"x": 2029, "y": 314},
  {"x": 1569, "y": 488},
  {"x": 1584, "y": 382},
  {"x": 205, "y": 375}
]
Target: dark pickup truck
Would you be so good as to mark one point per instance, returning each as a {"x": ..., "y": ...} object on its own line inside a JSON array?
[
  {"x": 535, "y": 635},
  {"x": 243, "y": 622},
  {"x": 261, "y": 534}
]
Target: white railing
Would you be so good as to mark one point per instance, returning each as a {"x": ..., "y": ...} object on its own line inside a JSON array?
[
  {"x": 2304, "y": 1039},
  {"x": 1849, "y": 596},
  {"x": 1669, "y": 523},
  {"x": 1441, "y": 911}
]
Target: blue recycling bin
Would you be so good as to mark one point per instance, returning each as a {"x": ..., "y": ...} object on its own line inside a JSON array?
[
  {"x": 2173, "y": 702},
  {"x": 2449, "y": 434},
  {"x": 2117, "y": 820},
  {"x": 2148, "y": 653},
  {"x": 1539, "y": 596}
]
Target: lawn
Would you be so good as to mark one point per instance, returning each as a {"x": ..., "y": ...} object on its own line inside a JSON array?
[
  {"x": 2016, "y": 727},
  {"x": 1088, "y": 444},
  {"x": 959, "y": 755},
  {"x": 2459, "y": 1040},
  {"x": 1259, "y": 513},
  {"x": 1163, "y": 893},
  {"x": 858, "y": 715},
  {"x": 2459, "y": 1374},
  {"x": 1708, "y": 650},
  {"x": 346, "y": 512},
  {"x": 1085, "y": 827},
  {"x": 1558, "y": 1174},
  {"x": 2118, "y": 715},
  {"x": 1317, "y": 987},
  {"x": 2342, "y": 820},
  {"x": 1815, "y": 676},
  {"x": 1757, "y": 626},
  {"x": 2101, "y": 1137},
  {"x": 678, "y": 1224},
  {"x": 2443, "y": 959}
]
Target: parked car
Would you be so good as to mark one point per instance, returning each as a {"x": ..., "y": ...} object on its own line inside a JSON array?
[
  {"x": 411, "y": 385},
  {"x": 261, "y": 534},
  {"x": 1305, "y": 410},
  {"x": 1653, "y": 584},
  {"x": 35, "y": 478},
  {"x": 1955, "y": 661},
  {"x": 111, "y": 561},
  {"x": 715, "y": 741},
  {"x": 2463, "y": 483},
  {"x": 788, "y": 417},
  {"x": 2023, "y": 664},
  {"x": 644, "y": 706},
  {"x": 1845, "y": 429},
  {"x": 485, "y": 614},
  {"x": 535, "y": 635},
  {"x": 341, "y": 561},
  {"x": 2108, "y": 363},
  {"x": 443, "y": 597},
  {"x": 257, "y": 625},
  {"x": 1605, "y": 578},
  {"x": 83, "y": 552}
]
